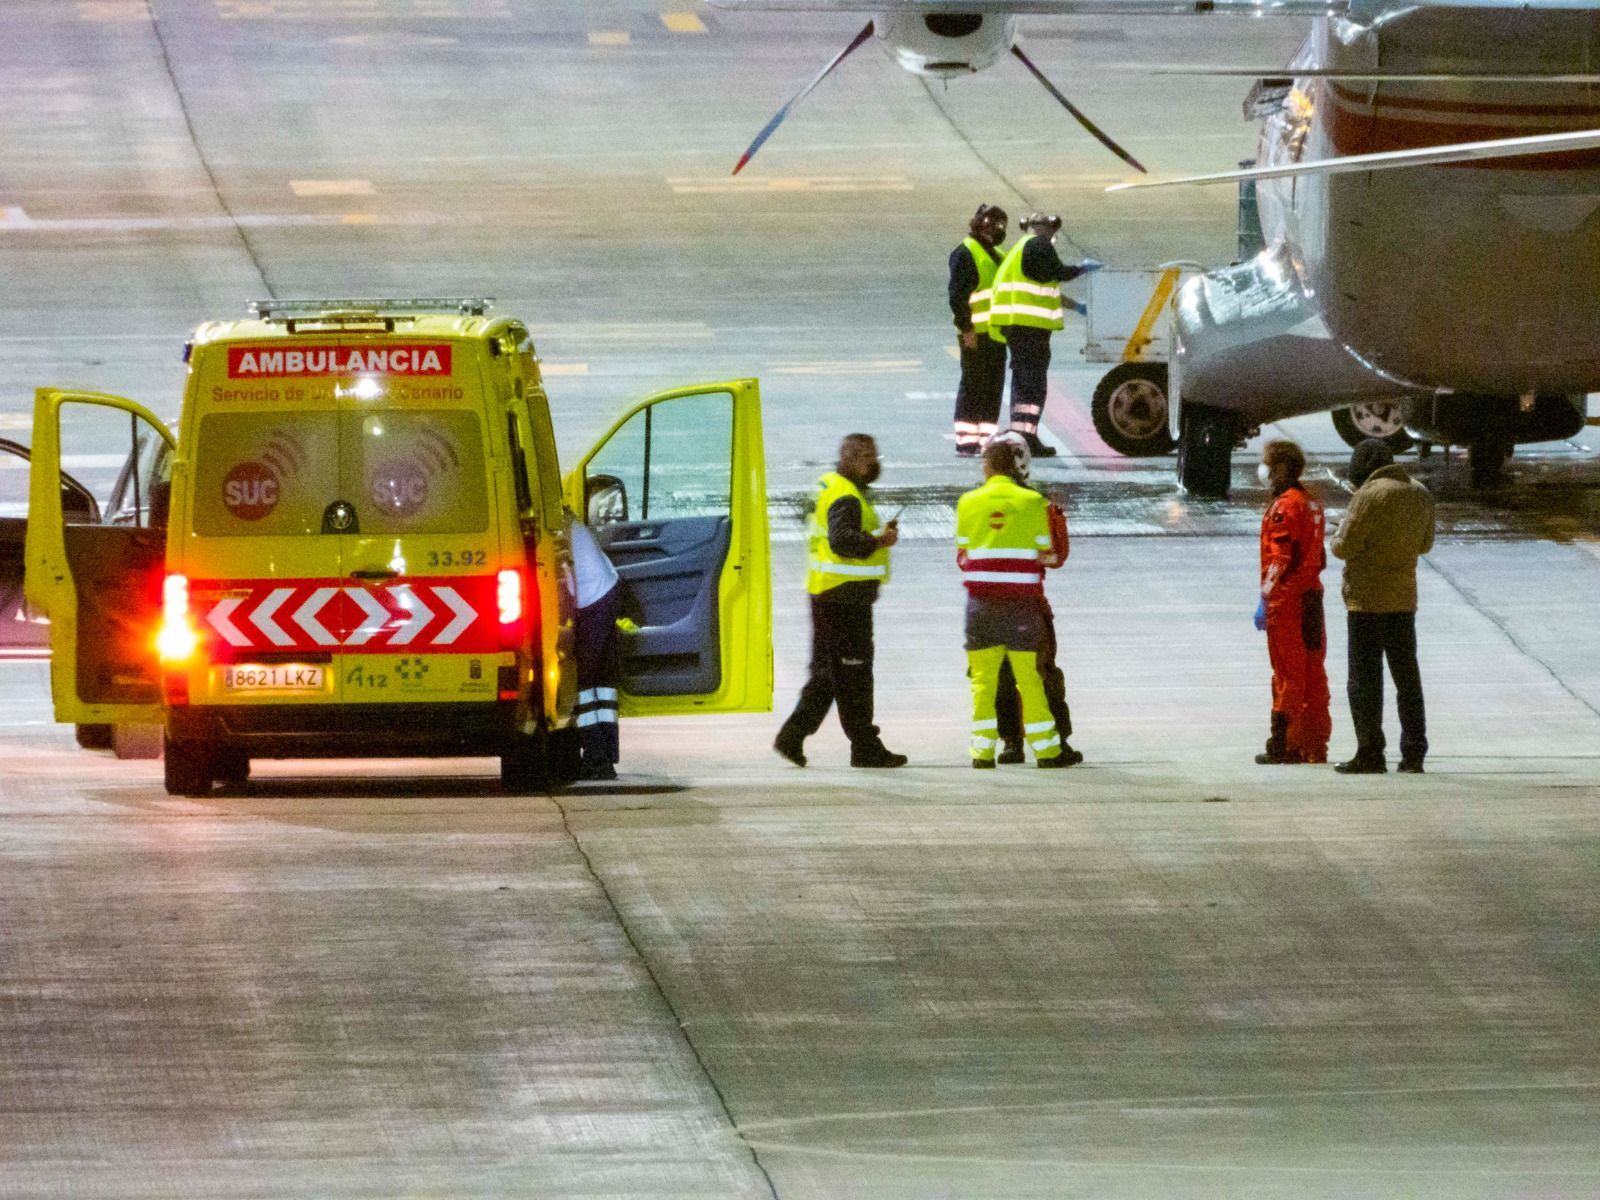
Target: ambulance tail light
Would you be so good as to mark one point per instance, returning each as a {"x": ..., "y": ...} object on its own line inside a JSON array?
[
  {"x": 176, "y": 642},
  {"x": 509, "y": 603}
]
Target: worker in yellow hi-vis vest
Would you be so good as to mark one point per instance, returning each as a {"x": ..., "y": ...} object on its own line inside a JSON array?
[
  {"x": 983, "y": 360},
  {"x": 849, "y": 562},
  {"x": 1026, "y": 308},
  {"x": 1003, "y": 540}
]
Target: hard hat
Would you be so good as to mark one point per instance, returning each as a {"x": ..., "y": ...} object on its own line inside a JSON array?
[
  {"x": 1019, "y": 450},
  {"x": 1042, "y": 222}
]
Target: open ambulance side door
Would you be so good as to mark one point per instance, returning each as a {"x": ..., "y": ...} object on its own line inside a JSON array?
[
  {"x": 99, "y": 584},
  {"x": 675, "y": 494}
]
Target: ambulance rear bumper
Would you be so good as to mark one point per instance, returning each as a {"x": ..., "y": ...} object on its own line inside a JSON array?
[{"x": 350, "y": 730}]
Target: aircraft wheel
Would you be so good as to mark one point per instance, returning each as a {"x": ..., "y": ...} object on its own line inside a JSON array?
[
  {"x": 1381, "y": 419},
  {"x": 187, "y": 768},
  {"x": 1130, "y": 410},
  {"x": 1486, "y": 459},
  {"x": 1205, "y": 451}
]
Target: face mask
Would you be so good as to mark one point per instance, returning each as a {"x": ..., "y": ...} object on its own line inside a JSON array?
[{"x": 1264, "y": 473}]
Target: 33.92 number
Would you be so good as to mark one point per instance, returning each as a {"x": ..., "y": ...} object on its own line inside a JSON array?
[{"x": 457, "y": 558}]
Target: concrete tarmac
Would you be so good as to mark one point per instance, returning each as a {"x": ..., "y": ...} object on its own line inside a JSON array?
[{"x": 1167, "y": 973}]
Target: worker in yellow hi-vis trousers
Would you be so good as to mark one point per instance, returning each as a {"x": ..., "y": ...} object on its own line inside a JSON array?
[{"x": 1003, "y": 536}]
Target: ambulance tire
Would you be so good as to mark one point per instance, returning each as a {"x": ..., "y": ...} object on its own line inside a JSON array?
[
  {"x": 231, "y": 768},
  {"x": 563, "y": 756},
  {"x": 187, "y": 768},
  {"x": 1130, "y": 410},
  {"x": 94, "y": 737}
]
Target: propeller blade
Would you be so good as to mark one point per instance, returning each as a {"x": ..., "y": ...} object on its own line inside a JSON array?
[
  {"x": 1099, "y": 134},
  {"x": 771, "y": 126}
]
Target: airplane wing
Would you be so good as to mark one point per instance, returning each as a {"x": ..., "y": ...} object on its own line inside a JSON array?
[
  {"x": 1059, "y": 8},
  {"x": 1423, "y": 156},
  {"x": 1289, "y": 74}
]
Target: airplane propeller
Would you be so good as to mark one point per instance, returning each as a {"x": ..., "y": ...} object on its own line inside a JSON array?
[
  {"x": 863, "y": 37},
  {"x": 1098, "y": 134},
  {"x": 771, "y": 126}
]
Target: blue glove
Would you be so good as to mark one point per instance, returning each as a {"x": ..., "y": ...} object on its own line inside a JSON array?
[
  {"x": 1090, "y": 265},
  {"x": 1261, "y": 615},
  {"x": 1081, "y": 309}
]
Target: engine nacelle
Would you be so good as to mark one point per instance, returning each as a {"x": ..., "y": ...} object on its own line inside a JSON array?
[{"x": 944, "y": 44}]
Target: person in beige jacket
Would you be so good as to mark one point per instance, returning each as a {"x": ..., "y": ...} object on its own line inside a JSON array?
[{"x": 1388, "y": 526}]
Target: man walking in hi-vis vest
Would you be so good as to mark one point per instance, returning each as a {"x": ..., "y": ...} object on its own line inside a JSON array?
[
  {"x": 849, "y": 562},
  {"x": 1003, "y": 538},
  {"x": 1025, "y": 310},
  {"x": 973, "y": 265}
]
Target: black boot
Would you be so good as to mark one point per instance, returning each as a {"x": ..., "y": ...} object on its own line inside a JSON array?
[
  {"x": 790, "y": 747},
  {"x": 1364, "y": 763},
  {"x": 1277, "y": 750},
  {"x": 877, "y": 755},
  {"x": 1012, "y": 752}
]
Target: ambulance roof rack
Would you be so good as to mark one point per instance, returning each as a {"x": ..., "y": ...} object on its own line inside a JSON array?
[{"x": 366, "y": 308}]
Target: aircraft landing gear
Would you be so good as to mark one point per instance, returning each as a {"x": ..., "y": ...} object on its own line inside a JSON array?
[
  {"x": 1486, "y": 460},
  {"x": 1205, "y": 451}
]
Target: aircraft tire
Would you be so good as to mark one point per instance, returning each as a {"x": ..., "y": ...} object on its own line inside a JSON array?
[
  {"x": 1378, "y": 419},
  {"x": 186, "y": 768},
  {"x": 1130, "y": 410},
  {"x": 1205, "y": 451}
]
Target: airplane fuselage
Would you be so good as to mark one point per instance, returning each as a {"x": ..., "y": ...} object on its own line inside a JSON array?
[{"x": 1479, "y": 277}]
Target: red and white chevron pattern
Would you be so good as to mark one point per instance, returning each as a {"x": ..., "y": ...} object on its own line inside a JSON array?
[{"x": 453, "y": 614}]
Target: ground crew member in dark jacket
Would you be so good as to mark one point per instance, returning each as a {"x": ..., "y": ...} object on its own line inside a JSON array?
[
  {"x": 983, "y": 360},
  {"x": 1290, "y": 611},
  {"x": 1026, "y": 308},
  {"x": 849, "y": 562},
  {"x": 1388, "y": 525},
  {"x": 1002, "y": 537},
  {"x": 1007, "y": 701}
]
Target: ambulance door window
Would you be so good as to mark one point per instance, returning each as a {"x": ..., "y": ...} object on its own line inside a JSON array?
[
  {"x": 658, "y": 501},
  {"x": 264, "y": 474}
]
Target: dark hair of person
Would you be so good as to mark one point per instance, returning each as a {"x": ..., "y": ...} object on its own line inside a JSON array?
[
  {"x": 1001, "y": 459},
  {"x": 1288, "y": 454}
]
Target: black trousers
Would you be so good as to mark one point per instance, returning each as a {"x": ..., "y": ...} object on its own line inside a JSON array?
[
  {"x": 599, "y": 667},
  {"x": 983, "y": 383},
  {"x": 841, "y": 673},
  {"x": 1374, "y": 637},
  {"x": 1007, "y": 701},
  {"x": 1030, "y": 370}
]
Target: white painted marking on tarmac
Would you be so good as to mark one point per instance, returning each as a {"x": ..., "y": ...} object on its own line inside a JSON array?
[
  {"x": 113, "y": 10},
  {"x": 708, "y": 184},
  {"x": 14, "y": 217},
  {"x": 564, "y": 368},
  {"x": 932, "y": 396},
  {"x": 609, "y": 37},
  {"x": 331, "y": 187}
]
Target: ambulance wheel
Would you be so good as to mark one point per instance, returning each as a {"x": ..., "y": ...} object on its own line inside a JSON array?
[
  {"x": 231, "y": 768},
  {"x": 1205, "y": 451},
  {"x": 187, "y": 768},
  {"x": 1381, "y": 419},
  {"x": 94, "y": 737},
  {"x": 1130, "y": 410},
  {"x": 524, "y": 765}
]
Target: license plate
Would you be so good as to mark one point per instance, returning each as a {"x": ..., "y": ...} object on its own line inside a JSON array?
[{"x": 284, "y": 677}]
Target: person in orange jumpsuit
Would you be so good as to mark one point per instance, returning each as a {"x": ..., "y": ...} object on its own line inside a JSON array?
[{"x": 1290, "y": 611}]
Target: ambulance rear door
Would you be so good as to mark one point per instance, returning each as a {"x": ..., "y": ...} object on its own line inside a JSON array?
[
  {"x": 258, "y": 532},
  {"x": 423, "y": 557},
  {"x": 100, "y": 585},
  {"x": 675, "y": 494}
]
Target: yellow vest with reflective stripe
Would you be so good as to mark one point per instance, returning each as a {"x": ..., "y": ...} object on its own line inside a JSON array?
[
  {"x": 983, "y": 294},
  {"x": 1004, "y": 529},
  {"x": 1018, "y": 300},
  {"x": 827, "y": 569}
]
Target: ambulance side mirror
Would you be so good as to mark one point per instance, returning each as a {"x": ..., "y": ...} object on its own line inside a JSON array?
[{"x": 608, "y": 501}]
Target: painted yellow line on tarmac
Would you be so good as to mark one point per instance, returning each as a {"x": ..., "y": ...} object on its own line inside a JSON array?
[
  {"x": 566, "y": 368},
  {"x": 609, "y": 37},
  {"x": 682, "y": 22},
  {"x": 362, "y": 219},
  {"x": 871, "y": 366},
  {"x": 691, "y": 185},
  {"x": 331, "y": 187},
  {"x": 113, "y": 10}
]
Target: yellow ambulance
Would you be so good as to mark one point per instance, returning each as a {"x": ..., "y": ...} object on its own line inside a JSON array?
[{"x": 356, "y": 543}]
